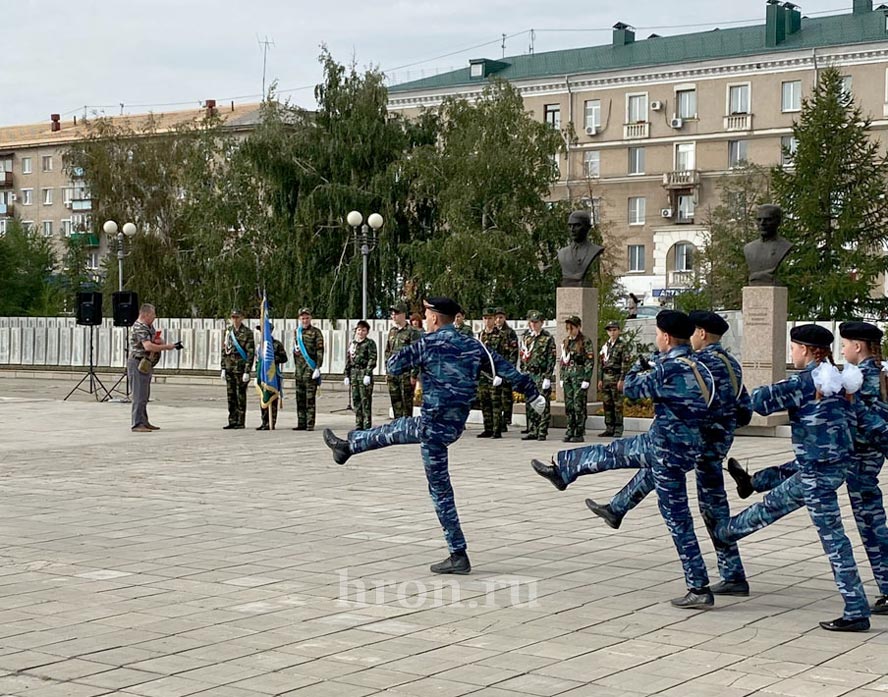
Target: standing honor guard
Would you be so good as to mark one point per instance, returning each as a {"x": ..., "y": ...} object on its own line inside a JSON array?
[
  {"x": 268, "y": 399},
  {"x": 238, "y": 354},
  {"x": 401, "y": 387},
  {"x": 538, "y": 361},
  {"x": 359, "y": 366},
  {"x": 490, "y": 391},
  {"x": 462, "y": 327},
  {"x": 614, "y": 364},
  {"x": 510, "y": 353},
  {"x": 308, "y": 356},
  {"x": 577, "y": 363}
]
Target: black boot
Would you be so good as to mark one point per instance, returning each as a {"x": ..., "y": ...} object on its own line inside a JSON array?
[
  {"x": 299, "y": 428},
  {"x": 549, "y": 472},
  {"x": 861, "y": 624},
  {"x": 529, "y": 436},
  {"x": 696, "y": 599},
  {"x": 880, "y": 607},
  {"x": 735, "y": 588},
  {"x": 606, "y": 513},
  {"x": 263, "y": 427},
  {"x": 229, "y": 426},
  {"x": 606, "y": 434},
  {"x": 497, "y": 434},
  {"x": 341, "y": 449},
  {"x": 456, "y": 563},
  {"x": 741, "y": 477},
  {"x": 485, "y": 434},
  {"x": 526, "y": 430}
]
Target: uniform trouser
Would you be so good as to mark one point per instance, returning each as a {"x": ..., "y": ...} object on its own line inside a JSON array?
[
  {"x": 771, "y": 477},
  {"x": 814, "y": 486},
  {"x": 612, "y": 400},
  {"x": 538, "y": 424},
  {"x": 405, "y": 431},
  {"x": 270, "y": 410},
  {"x": 362, "y": 401},
  {"x": 401, "y": 392},
  {"x": 575, "y": 407},
  {"x": 491, "y": 399},
  {"x": 237, "y": 397},
  {"x": 141, "y": 391},
  {"x": 306, "y": 396},
  {"x": 508, "y": 403}
]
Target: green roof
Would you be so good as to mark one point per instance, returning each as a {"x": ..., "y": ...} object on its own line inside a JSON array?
[{"x": 836, "y": 30}]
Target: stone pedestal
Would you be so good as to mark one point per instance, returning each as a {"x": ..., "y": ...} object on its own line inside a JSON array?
[
  {"x": 582, "y": 302},
  {"x": 763, "y": 349}
]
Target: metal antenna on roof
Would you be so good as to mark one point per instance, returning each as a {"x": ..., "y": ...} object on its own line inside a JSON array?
[
  {"x": 504, "y": 45},
  {"x": 265, "y": 46},
  {"x": 121, "y": 108},
  {"x": 532, "y": 40}
]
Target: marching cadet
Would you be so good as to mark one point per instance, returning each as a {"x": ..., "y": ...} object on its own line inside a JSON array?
[
  {"x": 510, "y": 353},
  {"x": 308, "y": 356},
  {"x": 359, "y": 366},
  {"x": 613, "y": 365},
  {"x": 538, "y": 361},
  {"x": 577, "y": 363},
  {"x": 819, "y": 414},
  {"x": 401, "y": 387},
  {"x": 450, "y": 364},
  {"x": 462, "y": 326},
  {"x": 238, "y": 354},
  {"x": 268, "y": 401},
  {"x": 490, "y": 390},
  {"x": 681, "y": 393}
]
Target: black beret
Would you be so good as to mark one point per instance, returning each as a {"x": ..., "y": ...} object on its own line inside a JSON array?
[
  {"x": 442, "y": 305},
  {"x": 675, "y": 323},
  {"x": 710, "y": 321},
  {"x": 860, "y": 331},
  {"x": 812, "y": 335}
]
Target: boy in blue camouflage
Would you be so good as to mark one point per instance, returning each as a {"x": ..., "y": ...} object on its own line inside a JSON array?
[
  {"x": 681, "y": 393},
  {"x": 449, "y": 365},
  {"x": 819, "y": 417}
]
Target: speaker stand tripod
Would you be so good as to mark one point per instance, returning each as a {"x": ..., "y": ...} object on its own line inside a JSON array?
[
  {"x": 347, "y": 407},
  {"x": 124, "y": 396},
  {"x": 94, "y": 382}
]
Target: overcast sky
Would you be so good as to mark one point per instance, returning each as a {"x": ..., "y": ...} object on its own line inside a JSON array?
[{"x": 59, "y": 55}]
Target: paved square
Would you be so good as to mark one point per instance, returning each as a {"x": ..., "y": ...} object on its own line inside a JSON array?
[{"x": 235, "y": 564}]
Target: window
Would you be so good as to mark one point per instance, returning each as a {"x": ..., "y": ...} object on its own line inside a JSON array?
[
  {"x": 477, "y": 70},
  {"x": 556, "y": 165},
  {"x": 636, "y": 257},
  {"x": 47, "y": 163},
  {"x": 592, "y": 163},
  {"x": 47, "y": 197},
  {"x": 47, "y": 228},
  {"x": 636, "y": 160},
  {"x": 686, "y": 104},
  {"x": 684, "y": 256},
  {"x": 685, "y": 157},
  {"x": 27, "y": 197},
  {"x": 92, "y": 261},
  {"x": 26, "y": 165},
  {"x": 636, "y": 108},
  {"x": 685, "y": 208},
  {"x": 788, "y": 147},
  {"x": 80, "y": 223},
  {"x": 738, "y": 99},
  {"x": 6, "y": 164},
  {"x": 28, "y": 226},
  {"x": 736, "y": 153},
  {"x": 552, "y": 115},
  {"x": 594, "y": 209},
  {"x": 593, "y": 114},
  {"x": 66, "y": 227},
  {"x": 847, "y": 85},
  {"x": 636, "y": 210},
  {"x": 3, "y": 222},
  {"x": 792, "y": 96}
]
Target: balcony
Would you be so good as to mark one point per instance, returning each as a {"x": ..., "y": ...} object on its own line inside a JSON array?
[
  {"x": 81, "y": 204},
  {"x": 5, "y": 178},
  {"x": 87, "y": 239},
  {"x": 681, "y": 279},
  {"x": 738, "y": 122},
  {"x": 681, "y": 179},
  {"x": 6, "y": 209},
  {"x": 634, "y": 131}
]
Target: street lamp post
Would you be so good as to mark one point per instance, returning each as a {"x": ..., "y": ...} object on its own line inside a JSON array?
[
  {"x": 128, "y": 230},
  {"x": 366, "y": 237}
]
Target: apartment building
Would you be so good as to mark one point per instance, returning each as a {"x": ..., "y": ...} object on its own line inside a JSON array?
[
  {"x": 660, "y": 121},
  {"x": 37, "y": 188}
]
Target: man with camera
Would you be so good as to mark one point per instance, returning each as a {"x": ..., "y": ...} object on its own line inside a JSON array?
[{"x": 145, "y": 350}]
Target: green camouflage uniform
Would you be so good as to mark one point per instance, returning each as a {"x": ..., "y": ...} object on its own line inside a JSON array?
[
  {"x": 306, "y": 387},
  {"x": 577, "y": 364},
  {"x": 538, "y": 361},
  {"x": 235, "y": 367},
  {"x": 465, "y": 329},
  {"x": 510, "y": 353},
  {"x": 613, "y": 366},
  {"x": 361, "y": 361},
  {"x": 401, "y": 387},
  {"x": 490, "y": 397}
]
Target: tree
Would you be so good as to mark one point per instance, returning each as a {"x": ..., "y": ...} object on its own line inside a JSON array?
[
  {"x": 26, "y": 265},
  {"x": 834, "y": 205}
]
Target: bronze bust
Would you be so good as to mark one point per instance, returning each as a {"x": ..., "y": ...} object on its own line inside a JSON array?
[
  {"x": 764, "y": 256},
  {"x": 577, "y": 257}
]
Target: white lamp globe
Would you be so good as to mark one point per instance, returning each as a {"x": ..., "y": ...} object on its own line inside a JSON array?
[
  {"x": 129, "y": 229},
  {"x": 375, "y": 221},
  {"x": 354, "y": 218},
  {"x": 110, "y": 227}
]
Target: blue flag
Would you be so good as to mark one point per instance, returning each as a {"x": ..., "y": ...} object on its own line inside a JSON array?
[{"x": 270, "y": 381}]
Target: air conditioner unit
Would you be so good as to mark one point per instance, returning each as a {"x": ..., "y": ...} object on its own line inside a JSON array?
[
  {"x": 676, "y": 122},
  {"x": 665, "y": 212},
  {"x": 656, "y": 105},
  {"x": 13, "y": 197},
  {"x": 591, "y": 130}
]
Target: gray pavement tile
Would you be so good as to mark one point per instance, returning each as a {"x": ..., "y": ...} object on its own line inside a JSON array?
[{"x": 118, "y": 678}]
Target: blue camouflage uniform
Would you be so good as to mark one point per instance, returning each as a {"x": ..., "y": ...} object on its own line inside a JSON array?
[
  {"x": 449, "y": 364},
  {"x": 822, "y": 443},
  {"x": 669, "y": 449}
]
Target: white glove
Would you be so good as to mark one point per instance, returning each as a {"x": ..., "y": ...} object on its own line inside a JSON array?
[
  {"x": 222, "y": 374},
  {"x": 547, "y": 384},
  {"x": 346, "y": 382},
  {"x": 539, "y": 404},
  {"x": 246, "y": 377},
  {"x": 366, "y": 380},
  {"x": 316, "y": 374},
  {"x": 584, "y": 385},
  {"x": 497, "y": 381}
]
